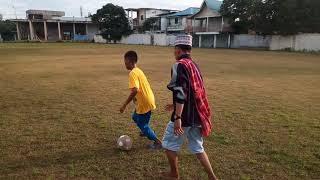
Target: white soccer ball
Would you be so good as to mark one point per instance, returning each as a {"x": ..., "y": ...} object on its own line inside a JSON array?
[{"x": 124, "y": 143}]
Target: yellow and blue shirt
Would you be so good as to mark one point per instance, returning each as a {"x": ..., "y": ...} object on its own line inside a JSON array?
[{"x": 145, "y": 100}]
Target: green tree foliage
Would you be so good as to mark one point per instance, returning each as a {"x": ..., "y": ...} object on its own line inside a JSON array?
[
  {"x": 7, "y": 30},
  {"x": 112, "y": 22},
  {"x": 273, "y": 16},
  {"x": 151, "y": 24}
]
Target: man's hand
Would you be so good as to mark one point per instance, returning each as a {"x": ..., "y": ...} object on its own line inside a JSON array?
[
  {"x": 178, "y": 131},
  {"x": 123, "y": 108},
  {"x": 169, "y": 107}
]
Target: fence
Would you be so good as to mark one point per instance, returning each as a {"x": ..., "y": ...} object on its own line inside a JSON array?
[
  {"x": 250, "y": 41},
  {"x": 143, "y": 39},
  {"x": 81, "y": 37},
  {"x": 301, "y": 42},
  {"x": 309, "y": 42}
]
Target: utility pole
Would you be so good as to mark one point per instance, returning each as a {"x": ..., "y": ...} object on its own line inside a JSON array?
[
  {"x": 81, "y": 11},
  {"x": 14, "y": 10}
]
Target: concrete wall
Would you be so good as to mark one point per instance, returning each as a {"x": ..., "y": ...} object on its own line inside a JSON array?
[
  {"x": 137, "y": 39},
  {"x": 170, "y": 40},
  {"x": 160, "y": 40},
  {"x": 308, "y": 42},
  {"x": 92, "y": 30},
  {"x": 250, "y": 41},
  {"x": 143, "y": 39},
  {"x": 301, "y": 42},
  {"x": 282, "y": 42}
]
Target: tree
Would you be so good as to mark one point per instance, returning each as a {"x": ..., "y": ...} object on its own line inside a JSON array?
[
  {"x": 273, "y": 16},
  {"x": 112, "y": 22},
  {"x": 239, "y": 12},
  {"x": 7, "y": 30},
  {"x": 151, "y": 24}
]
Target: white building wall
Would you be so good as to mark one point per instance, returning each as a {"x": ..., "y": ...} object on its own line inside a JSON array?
[
  {"x": 184, "y": 22},
  {"x": 164, "y": 23},
  {"x": 92, "y": 30},
  {"x": 301, "y": 42},
  {"x": 137, "y": 39},
  {"x": 281, "y": 42},
  {"x": 250, "y": 41},
  {"x": 309, "y": 42}
]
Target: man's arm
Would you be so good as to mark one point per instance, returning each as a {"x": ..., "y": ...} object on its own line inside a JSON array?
[
  {"x": 178, "y": 123},
  {"x": 133, "y": 94},
  {"x": 180, "y": 98}
]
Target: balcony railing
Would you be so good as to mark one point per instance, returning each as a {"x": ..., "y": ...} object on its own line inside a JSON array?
[
  {"x": 175, "y": 27},
  {"x": 192, "y": 29}
]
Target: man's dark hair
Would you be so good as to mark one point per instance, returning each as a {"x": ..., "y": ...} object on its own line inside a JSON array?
[
  {"x": 131, "y": 56},
  {"x": 184, "y": 47}
]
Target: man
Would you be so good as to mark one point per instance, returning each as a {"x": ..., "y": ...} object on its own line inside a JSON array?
[{"x": 191, "y": 113}]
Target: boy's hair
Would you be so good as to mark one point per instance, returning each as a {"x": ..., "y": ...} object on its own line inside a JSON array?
[
  {"x": 131, "y": 56},
  {"x": 184, "y": 47}
]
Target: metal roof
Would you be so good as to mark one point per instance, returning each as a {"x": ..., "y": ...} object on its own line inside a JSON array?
[
  {"x": 186, "y": 12},
  {"x": 214, "y": 4}
]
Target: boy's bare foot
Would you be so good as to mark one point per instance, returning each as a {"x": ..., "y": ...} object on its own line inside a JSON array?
[{"x": 170, "y": 175}]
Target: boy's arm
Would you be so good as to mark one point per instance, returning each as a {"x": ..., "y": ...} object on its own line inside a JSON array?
[{"x": 133, "y": 94}]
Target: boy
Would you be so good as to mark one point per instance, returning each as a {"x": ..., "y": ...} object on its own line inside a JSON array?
[
  {"x": 143, "y": 97},
  {"x": 191, "y": 114}
]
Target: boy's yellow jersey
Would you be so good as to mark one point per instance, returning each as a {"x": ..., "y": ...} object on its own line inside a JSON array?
[{"x": 145, "y": 100}]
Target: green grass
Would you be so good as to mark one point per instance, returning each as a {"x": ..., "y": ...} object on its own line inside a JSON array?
[{"x": 59, "y": 113}]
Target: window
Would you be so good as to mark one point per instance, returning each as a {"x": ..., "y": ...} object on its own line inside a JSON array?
[
  {"x": 142, "y": 18},
  {"x": 176, "y": 20}
]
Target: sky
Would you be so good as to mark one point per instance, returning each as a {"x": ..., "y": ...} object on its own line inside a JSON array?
[{"x": 12, "y": 8}]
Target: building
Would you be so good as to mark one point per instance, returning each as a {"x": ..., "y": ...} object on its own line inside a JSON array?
[
  {"x": 138, "y": 16},
  {"x": 180, "y": 21},
  {"x": 43, "y": 25},
  {"x": 208, "y": 23},
  {"x": 1, "y": 17}
]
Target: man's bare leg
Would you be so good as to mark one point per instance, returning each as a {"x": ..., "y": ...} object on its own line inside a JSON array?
[
  {"x": 173, "y": 161},
  {"x": 205, "y": 162}
]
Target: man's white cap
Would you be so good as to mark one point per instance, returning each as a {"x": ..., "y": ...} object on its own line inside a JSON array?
[{"x": 183, "y": 40}]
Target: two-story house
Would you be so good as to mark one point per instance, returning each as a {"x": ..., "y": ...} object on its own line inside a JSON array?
[
  {"x": 208, "y": 23},
  {"x": 138, "y": 16},
  {"x": 179, "y": 22}
]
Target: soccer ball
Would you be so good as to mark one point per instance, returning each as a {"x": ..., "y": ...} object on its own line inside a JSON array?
[{"x": 124, "y": 143}]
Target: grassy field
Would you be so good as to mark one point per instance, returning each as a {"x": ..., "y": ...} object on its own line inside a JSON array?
[{"x": 59, "y": 113}]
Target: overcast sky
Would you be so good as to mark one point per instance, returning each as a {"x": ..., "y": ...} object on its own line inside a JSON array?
[{"x": 72, "y": 7}]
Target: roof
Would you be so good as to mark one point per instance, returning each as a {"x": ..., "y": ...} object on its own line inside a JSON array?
[
  {"x": 76, "y": 19},
  {"x": 214, "y": 4},
  {"x": 46, "y": 12},
  {"x": 58, "y": 19},
  {"x": 186, "y": 12},
  {"x": 166, "y": 14},
  {"x": 137, "y": 9}
]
